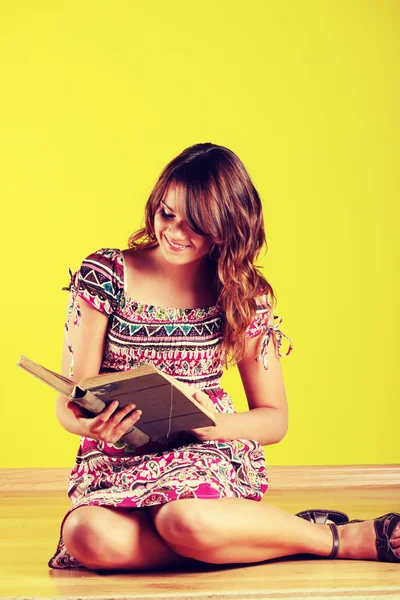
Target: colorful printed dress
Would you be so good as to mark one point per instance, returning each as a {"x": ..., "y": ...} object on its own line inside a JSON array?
[{"x": 185, "y": 343}]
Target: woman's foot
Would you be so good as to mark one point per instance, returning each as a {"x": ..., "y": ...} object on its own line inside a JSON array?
[{"x": 360, "y": 540}]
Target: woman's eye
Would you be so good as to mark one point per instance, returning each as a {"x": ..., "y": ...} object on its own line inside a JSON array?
[{"x": 166, "y": 215}]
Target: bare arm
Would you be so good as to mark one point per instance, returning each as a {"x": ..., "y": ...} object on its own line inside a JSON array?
[
  {"x": 87, "y": 340},
  {"x": 267, "y": 419}
]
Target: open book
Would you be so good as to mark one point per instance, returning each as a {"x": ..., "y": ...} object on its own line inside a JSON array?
[{"x": 167, "y": 405}]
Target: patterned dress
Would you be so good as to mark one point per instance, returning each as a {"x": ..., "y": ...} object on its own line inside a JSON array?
[{"x": 184, "y": 343}]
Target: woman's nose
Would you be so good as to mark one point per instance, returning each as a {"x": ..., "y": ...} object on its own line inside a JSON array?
[{"x": 177, "y": 230}]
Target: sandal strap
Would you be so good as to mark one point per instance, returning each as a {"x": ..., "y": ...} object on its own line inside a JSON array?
[
  {"x": 384, "y": 527},
  {"x": 335, "y": 540}
]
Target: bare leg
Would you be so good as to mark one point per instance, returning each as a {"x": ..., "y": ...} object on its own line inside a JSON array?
[
  {"x": 235, "y": 530},
  {"x": 108, "y": 538}
]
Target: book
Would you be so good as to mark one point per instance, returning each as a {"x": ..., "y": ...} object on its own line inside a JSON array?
[{"x": 167, "y": 404}]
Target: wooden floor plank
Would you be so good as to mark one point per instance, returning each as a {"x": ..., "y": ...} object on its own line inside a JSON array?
[{"x": 29, "y": 532}]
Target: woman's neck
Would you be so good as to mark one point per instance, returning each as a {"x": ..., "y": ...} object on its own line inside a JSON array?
[
  {"x": 150, "y": 278},
  {"x": 189, "y": 275}
]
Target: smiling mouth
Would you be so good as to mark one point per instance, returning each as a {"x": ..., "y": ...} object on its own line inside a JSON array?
[{"x": 175, "y": 246}]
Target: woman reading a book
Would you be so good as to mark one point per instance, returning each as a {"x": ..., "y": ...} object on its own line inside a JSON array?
[{"x": 187, "y": 297}]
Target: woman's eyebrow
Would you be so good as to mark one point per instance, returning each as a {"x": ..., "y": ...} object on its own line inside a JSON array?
[{"x": 169, "y": 208}]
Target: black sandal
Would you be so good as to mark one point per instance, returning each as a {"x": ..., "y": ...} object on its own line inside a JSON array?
[
  {"x": 384, "y": 527},
  {"x": 321, "y": 516}
]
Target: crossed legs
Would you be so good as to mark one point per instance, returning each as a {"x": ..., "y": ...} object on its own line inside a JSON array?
[
  {"x": 182, "y": 532},
  {"x": 229, "y": 530}
]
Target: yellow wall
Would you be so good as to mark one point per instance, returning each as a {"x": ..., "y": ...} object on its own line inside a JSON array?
[{"x": 96, "y": 97}]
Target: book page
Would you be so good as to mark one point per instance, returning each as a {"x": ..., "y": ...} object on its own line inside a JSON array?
[
  {"x": 105, "y": 378},
  {"x": 59, "y": 383}
]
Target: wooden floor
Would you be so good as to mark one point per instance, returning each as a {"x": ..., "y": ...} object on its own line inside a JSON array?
[{"x": 29, "y": 530}]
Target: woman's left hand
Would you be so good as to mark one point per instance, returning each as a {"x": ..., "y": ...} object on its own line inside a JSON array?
[{"x": 207, "y": 433}]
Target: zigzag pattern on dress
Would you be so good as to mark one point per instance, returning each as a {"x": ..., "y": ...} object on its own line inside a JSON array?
[{"x": 179, "y": 330}]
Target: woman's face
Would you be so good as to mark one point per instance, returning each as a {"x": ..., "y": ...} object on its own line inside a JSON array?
[{"x": 179, "y": 244}]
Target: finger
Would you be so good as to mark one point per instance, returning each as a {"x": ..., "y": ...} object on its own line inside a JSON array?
[
  {"x": 106, "y": 413},
  {"x": 205, "y": 401},
  {"x": 201, "y": 398},
  {"x": 110, "y": 424},
  {"x": 121, "y": 414},
  {"x": 103, "y": 419},
  {"x": 126, "y": 425}
]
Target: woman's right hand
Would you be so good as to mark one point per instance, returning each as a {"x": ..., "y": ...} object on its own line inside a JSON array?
[{"x": 108, "y": 426}]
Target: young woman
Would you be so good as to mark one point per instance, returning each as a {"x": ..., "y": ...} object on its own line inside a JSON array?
[{"x": 187, "y": 297}]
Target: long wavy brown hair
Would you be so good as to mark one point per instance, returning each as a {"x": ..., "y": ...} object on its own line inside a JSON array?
[{"x": 221, "y": 203}]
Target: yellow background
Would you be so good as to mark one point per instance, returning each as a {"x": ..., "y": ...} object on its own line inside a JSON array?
[{"x": 96, "y": 97}]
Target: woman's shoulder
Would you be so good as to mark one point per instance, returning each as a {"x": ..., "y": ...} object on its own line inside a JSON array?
[
  {"x": 262, "y": 317},
  {"x": 263, "y": 300},
  {"x": 100, "y": 279},
  {"x": 108, "y": 260},
  {"x": 138, "y": 258},
  {"x": 102, "y": 267}
]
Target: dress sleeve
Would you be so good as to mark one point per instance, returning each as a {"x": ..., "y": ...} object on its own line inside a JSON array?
[
  {"x": 99, "y": 280},
  {"x": 264, "y": 322}
]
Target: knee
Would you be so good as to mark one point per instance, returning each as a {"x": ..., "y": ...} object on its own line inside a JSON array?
[
  {"x": 185, "y": 524},
  {"x": 86, "y": 539}
]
